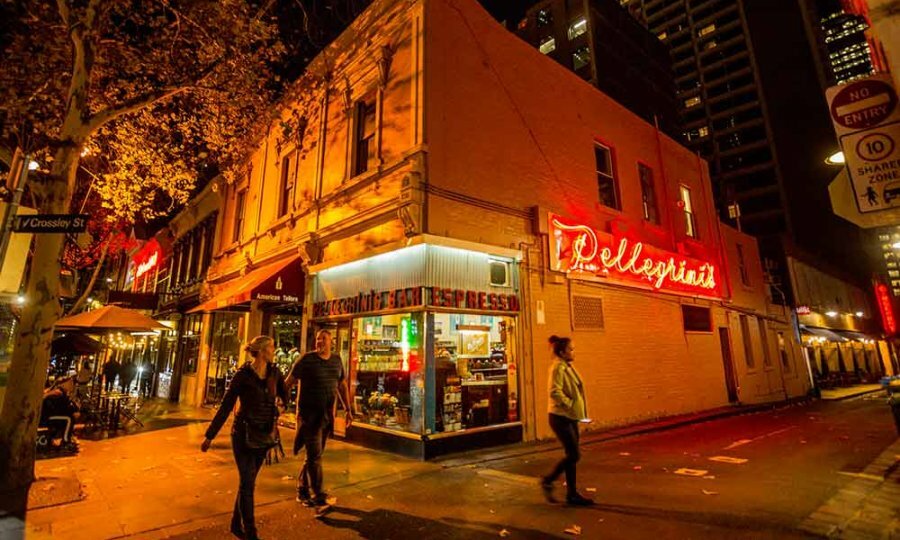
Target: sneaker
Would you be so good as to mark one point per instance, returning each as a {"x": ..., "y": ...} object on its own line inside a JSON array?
[
  {"x": 547, "y": 489},
  {"x": 304, "y": 498},
  {"x": 578, "y": 500},
  {"x": 324, "y": 499},
  {"x": 323, "y": 507}
]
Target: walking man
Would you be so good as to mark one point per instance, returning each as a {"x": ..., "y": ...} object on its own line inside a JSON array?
[
  {"x": 110, "y": 372},
  {"x": 320, "y": 375}
]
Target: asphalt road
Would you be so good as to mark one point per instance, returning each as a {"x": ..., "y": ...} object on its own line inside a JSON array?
[{"x": 779, "y": 467}]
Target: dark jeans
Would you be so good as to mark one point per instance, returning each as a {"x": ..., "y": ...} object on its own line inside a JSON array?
[
  {"x": 248, "y": 461},
  {"x": 566, "y": 431},
  {"x": 310, "y": 480}
]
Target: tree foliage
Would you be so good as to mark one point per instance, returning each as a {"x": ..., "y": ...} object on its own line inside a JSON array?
[{"x": 172, "y": 88}]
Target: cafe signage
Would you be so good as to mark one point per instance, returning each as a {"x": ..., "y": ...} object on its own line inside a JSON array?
[
  {"x": 373, "y": 302},
  {"x": 580, "y": 249}
]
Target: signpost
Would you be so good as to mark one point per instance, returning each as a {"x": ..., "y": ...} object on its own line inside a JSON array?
[
  {"x": 51, "y": 223},
  {"x": 866, "y": 118}
]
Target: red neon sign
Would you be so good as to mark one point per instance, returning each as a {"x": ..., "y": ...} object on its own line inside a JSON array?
[
  {"x": 888, "y": 322},
  {"x": 577, "y": 248},
  {"x": 147, "y": 258}
]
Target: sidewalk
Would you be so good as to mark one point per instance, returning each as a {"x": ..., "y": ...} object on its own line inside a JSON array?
[
  {"x": 851, "y": 391},
  {"x": 867, "y": 507},
  {"x": 155, "y": 480}
]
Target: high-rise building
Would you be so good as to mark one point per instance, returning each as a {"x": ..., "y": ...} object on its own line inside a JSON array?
[
  {"x": 600, "y": 42},
  {"x": 848, "y": 49},
  {"x": 748, "y": 77}
]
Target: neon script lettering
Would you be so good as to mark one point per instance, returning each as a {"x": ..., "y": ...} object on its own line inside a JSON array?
[
  {"x": 145, "y": 266},
  {"x": 580, "y": 249}
]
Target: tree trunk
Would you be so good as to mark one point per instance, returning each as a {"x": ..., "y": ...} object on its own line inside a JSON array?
[
  {"x": 31, "y": 356},
  {"x": 90, "y": 286}
]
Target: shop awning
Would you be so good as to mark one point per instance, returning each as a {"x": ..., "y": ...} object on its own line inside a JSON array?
[
  {"x": 825, "y": 333},
  {"x": 856, "y": 336},
  {"x": 281, "y": 282}
]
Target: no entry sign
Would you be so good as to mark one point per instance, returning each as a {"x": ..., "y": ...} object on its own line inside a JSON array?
[{"x": 863, "y": 104}]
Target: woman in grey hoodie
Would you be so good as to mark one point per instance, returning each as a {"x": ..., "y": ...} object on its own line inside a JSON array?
[{"x": 568, "y": 408}]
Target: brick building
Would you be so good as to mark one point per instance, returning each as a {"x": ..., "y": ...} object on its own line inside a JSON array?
[{"x": 439, "y": 194}]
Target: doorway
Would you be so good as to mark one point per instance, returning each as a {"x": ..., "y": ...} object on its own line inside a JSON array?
[
  {"x": 728, "y": 363},
  {"x": 343, "y": 343}
]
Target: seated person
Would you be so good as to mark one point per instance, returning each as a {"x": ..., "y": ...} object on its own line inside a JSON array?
[{"x": 58, "y": 410}]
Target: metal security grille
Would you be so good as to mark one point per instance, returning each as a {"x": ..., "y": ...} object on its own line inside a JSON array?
[{"x": 587, "y": 312}]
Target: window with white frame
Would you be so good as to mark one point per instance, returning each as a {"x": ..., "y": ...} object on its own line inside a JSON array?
[
  {"x": 364, "y": 147},
  {"x": 690, "y": 222},
  {"x": 608, "y": 190},
  {"x": 288, "y": 183},
  {"x": 748, "y": 342},
  {"x": 240, "y": 209},
  {"x": 648, "y": 194}
]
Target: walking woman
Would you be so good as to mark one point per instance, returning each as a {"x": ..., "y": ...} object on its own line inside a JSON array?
[
  {"x": 256, "y": 384},
  {"x": 567, "y": 409}
]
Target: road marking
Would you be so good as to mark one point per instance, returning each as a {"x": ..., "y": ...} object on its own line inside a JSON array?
[
  {"x": 691, "y": 472},
  {"x": 864, "y": 476},
  {"x": 735, "y": 444},
  {"x": 729, "y": 459},
  {"x": 508, "y": 476},
  {"x": 742, "y": 442}
]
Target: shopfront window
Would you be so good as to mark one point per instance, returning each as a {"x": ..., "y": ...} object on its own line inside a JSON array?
[
  {"x": 286, "y": 333},
  {"x": 190, "y": 342},
  {"x": 475, "y": 371},
  {"x": 386, "y": 371},
  {"x": 224, "y": 353}
]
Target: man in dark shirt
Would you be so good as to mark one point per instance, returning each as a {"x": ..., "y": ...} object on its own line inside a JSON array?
[{"x": 320, "y": 375}]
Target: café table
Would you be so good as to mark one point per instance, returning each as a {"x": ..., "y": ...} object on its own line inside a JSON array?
[{"x": 112, "y": 406}]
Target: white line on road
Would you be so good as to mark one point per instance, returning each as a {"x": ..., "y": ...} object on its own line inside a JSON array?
[
  {"x": 742, "y": 442},
  {"x": 735, "y": 444}
]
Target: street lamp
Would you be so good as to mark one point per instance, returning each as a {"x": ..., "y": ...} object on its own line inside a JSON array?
[
  {"x": 836, "y": 158},
  {"x": 33, "y": 165},
  {"x": 859, "y": 314},
  {"x": 20, "y": 300},
  {"x": 831, "y": 313}
]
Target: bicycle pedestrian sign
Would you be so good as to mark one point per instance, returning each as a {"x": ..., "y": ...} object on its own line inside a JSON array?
[{"x": 873, "y": 161}]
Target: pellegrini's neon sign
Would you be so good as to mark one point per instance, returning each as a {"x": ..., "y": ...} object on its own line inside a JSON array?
[{"x": 579, "y": 248}]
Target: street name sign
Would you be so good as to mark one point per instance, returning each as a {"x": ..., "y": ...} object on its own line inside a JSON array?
[
  {"x": 863, "y": 104},
  {"x": 51, "y": 223}
]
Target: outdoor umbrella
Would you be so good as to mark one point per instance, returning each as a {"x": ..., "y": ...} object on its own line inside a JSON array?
[
  {"x": 109, "y": 318},
  {"x": 75, "y": 344}
]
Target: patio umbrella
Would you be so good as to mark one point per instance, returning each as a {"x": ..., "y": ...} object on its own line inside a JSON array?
[
  {"x": 109, "y": 318},
  {"x": 76, "y": 344}
]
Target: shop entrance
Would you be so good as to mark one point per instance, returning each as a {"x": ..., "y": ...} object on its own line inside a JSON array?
[
  {"x": 728, "y": 362},
  {"x": 340, "y": 333}
]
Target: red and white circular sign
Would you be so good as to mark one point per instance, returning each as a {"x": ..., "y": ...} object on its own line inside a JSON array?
[{"x": 863, "y": 104}]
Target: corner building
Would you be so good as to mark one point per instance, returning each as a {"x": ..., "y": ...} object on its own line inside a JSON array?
[{"x": 444, "y": 198}]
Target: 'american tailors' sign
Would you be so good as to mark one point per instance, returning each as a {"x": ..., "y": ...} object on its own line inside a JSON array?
[
  {"x": 576, "y": 248},
  {"x": 373, "y": 301}
]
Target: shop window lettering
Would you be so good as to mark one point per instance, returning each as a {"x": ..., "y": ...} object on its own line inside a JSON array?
[
  {"x": 416, "y": 297},
  {"x": 579, "y": 248}
]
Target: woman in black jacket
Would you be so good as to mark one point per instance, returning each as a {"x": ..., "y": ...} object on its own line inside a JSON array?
[{"x": 256, "y": 384}]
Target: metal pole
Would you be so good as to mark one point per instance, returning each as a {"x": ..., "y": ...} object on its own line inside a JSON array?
[{"x": 13, "y": 207}]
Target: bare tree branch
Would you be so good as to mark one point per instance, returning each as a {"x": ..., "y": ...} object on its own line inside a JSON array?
[{"x": 90, "y": 286}]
